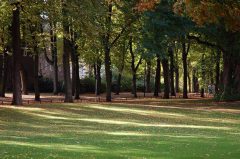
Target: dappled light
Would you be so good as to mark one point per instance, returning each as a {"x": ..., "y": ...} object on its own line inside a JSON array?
[{"x": 125, "y": 130}]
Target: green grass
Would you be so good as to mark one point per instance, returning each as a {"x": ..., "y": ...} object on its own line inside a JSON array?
[{"x": 116, "y": 131}]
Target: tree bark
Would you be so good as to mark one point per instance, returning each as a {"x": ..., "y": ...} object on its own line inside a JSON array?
[
  {"x": 17, "y": 57},
  {"x": 107, "y": 57},
  {"x": 55, "y": 61},
  {"x": 185, "y": 70},
  {"x": 134, "y": 84},
  {"x": 66, "y": 72},
  {"x": 120, "y": 73},
  {"x": 98, "y": 77},
  {"x": 36, "y": 64},
  {"x": 108, "y": 72},
  {"x": 217, "y": 69},
  {"x": 73, "y": 59},
  {"x": 166, "y": 78},
  {"x": 24, "y": 81},
  {"x": 134, "y": 68},
  {"x": 3, "y": 76},
  {"x": 171, "y": 55},
  {"x": 195, "y": 84},
  {"x": 177, "y": 74},
  {"x": 36, "y": 79},
  {"x": 189, "y": 83},
  {"x": 157, "y": 77},
  {"x": 119, "y": 83},
  {"x": 77, "y": 87},
  {"x": 148, "y": 77}
]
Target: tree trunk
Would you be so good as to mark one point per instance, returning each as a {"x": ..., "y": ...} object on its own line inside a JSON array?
[
  {"x": 217, "y": 69},
  {"x": 134, "y": 84},
  {"x": 73, "y": 59},
  {"x": 148, "y": 77},
  {"x": 119, "y": 83},
  {"x": 185, "y": 70},
  {"x": 195, "y": 85},
  {"x": 77, "y": 87},
  {"x": 189, "y": 83},
  {"x": 108, "y": 72},
  {"x": 237, "y": 77},
  {"x": 120, "y": 72},
  {"x": 166, "y": 78},
  {"x": 134, "y": 68},
  {"x": 3, "y": 75},
  {"x": 24, "y": 81},
  {"x": 17, "y": 57},
  {"x": 171, "y": 55},
  {"x": 66, "y": 72},
  {"x": 98, "y": 78},
  {"x": 157, "y": 77},
  {"x": 36, "y": 80},
  {"x": 55, "y": 62},
  {"x": 177, "y": 74},
  {"x": 227, "y": 73},
  {"x": 203, "y": 72}
]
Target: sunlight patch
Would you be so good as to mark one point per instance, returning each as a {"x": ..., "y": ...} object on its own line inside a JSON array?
[
  {"x": 136, "y": 111},
  {"x": 118, "y": 122},
  {"x": 76, "y": 148}
]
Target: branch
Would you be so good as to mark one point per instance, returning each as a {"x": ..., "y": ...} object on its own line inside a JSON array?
[
  {"x": 139, "y": 62},
  {"x": 120, "y": 34},
  {"x": 198, "y": 40},
  {"x": 188, "y": 47}
]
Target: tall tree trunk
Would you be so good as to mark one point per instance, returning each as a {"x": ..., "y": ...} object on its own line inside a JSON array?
[
  {"x": 227, "y": 73},
  {"x": 66, "y": 72},
  {"x": 77, "y": 86},
  {"x": 133, "y": 67},
  {"x": 166, "y": 78},
  {"x": 177, "y": 73},
  {"x": 107, "y": 57},
  {"x": 24, "y": 81},
  {"x": 73, "y": 59},
  {"x": 55, "y": 61},
  {"x": 157, "y": 77},
  {"x": 98, "y": 77},
  {"x": 36, "y": 64},
  {"x": 189, "y": 83},
  {"x": 134, "y": 84},
  {"x": 17, "y": 57},
  {"x": 237, "y": 77},
  {"x": 203, "y": 74},
  {"x": 3, "y": 76},
  {"x": 120, "y": 72},
  {"x": 185, "y": 70},
  {"x": 119, "y": 83},
  {"x": 108, "y": 72},
  {"x": 195, "y": 85},
  {"x": 171, "y": 55},
  {"x": 36, "y": 79},
  {"x": 217, "y": 69},
  {"x": 148, "y": 77}
]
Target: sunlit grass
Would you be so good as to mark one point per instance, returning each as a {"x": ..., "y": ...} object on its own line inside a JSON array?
[{"x": 117, "y": 131}]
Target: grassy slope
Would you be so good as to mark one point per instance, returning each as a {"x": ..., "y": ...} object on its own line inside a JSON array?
[{"x": 116, "y": 131}]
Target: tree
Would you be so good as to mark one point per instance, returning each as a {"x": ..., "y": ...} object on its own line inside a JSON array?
[
  {"x": 157, "y": 87},
  {"x": 17, "y": 56},
  {"x": 134, "y": 67}
]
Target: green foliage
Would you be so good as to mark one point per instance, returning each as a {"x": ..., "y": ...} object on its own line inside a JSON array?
[{"x": 162, "y": 28}]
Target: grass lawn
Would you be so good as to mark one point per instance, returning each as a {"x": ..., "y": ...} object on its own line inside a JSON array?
[{"x": 117, "y": 131}]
